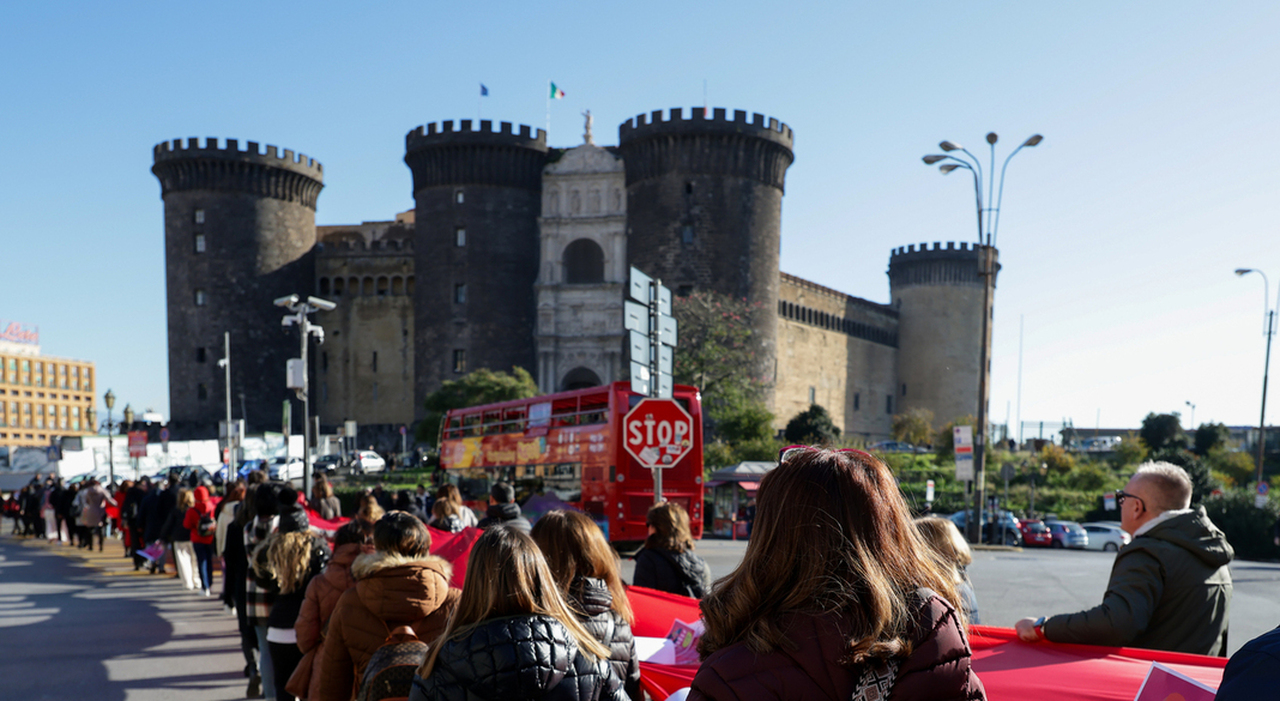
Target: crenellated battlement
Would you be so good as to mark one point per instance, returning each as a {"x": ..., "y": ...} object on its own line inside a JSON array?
[
  {"x": 442, "y": 155},
  {"x": 698, "y": 121},
  {"x": 937, "y": 264},
  {"x": 230, "y": 150},
  {"x": 282, "y": 175},
  {"x": 445, "y": 132}
]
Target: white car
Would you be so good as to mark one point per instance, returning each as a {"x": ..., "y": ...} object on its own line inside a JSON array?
[
  {"x": 368, "y": 461},
  {"x": 1104, "y": 536}
]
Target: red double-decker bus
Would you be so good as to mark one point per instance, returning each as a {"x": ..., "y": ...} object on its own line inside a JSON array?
[{"x": 567, "y": 448}]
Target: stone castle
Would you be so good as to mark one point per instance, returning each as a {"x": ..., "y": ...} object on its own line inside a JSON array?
[{"x": 516, "y": 254}]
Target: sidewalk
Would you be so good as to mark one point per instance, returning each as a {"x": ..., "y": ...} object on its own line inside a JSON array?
[{"x": 78, "y": 624}]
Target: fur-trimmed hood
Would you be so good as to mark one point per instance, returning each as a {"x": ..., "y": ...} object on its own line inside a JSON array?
[{"x": 400, "y": 588}]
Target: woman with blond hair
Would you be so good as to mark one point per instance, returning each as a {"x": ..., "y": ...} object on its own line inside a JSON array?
[
  {"x": 942, "y": 535},
  {"x": 370, "y": 511},
  {"x": 449, "y": 513},
  {"x": 667, "y": 562},
  {"x": 510, "y": 621},
  {"x": 284, "y": 564},
  {"x": 586, "y": 570},
  {"x": 179, "y": 537},
  {"x": 836, "y": 597}
]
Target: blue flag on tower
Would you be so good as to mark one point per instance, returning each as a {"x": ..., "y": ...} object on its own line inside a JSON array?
[{"x": 484, "y": 92}]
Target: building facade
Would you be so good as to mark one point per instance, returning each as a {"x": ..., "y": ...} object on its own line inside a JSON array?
[{"x": 42, "y": 397}]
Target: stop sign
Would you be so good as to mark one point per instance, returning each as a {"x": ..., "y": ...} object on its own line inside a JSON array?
[{"x": 658, "y": 432}]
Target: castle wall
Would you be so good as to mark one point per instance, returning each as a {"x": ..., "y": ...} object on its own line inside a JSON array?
[
  {"x": 364, "y": 371},
  {"x": 704, "y": 207},
  {"x": 837, "y": 351},
  {"x": 938, "y": 294},
  {"x": 486, "y": 183},
  {"x": 239, "y": 230}
]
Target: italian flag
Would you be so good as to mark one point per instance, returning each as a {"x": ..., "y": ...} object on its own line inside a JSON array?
[{"x": 556, "y": 93}]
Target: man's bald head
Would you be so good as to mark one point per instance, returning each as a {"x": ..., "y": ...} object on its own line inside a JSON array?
[{"x": 1168, "y": 487}]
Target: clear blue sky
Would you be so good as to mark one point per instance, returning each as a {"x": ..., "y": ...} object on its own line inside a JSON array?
[{"x": 1118, "y": 236}]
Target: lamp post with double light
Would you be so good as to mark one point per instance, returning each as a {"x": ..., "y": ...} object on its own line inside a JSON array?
[
  {"x": 988, "y": 227},
  {"x": 1269, "y": 313}
]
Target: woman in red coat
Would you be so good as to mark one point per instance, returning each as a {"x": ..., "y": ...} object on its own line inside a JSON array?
[
  {"x": 200, "y": 521},
  {"x": 837, "y": 596}
]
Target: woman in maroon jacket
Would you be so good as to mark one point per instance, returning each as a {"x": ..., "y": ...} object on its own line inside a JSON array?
[
  {"x": 837, "y": 596},
  {"x": 202, "y": 536}
]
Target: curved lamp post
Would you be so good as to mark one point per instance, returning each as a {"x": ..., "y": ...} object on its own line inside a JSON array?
[
  {"x": 986, "y": 270},
  {"x": 1270, "y": 313}
]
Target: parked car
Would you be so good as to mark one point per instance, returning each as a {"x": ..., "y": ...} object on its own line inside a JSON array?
[
  {"x": 286, "y": 469},
  {"x": 1001, "y": 529},
  {"x": 892, "y": 447},
  {"x": 1068, "y": 534},
  {"x": 1104, "y": 536},
  {"x": 327, "y": 464},
  {"x": 1034, "y": 532},
  {"x": 368, "y": 461}
]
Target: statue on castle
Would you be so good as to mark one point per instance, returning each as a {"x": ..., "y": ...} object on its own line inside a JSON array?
[{"x": 586, "y": 137}]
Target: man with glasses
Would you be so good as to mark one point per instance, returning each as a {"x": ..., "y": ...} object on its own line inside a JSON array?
[{"x": 1170, "y": 588}]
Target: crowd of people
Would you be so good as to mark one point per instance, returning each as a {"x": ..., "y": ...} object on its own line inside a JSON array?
[{"x": 840, "y": 593}]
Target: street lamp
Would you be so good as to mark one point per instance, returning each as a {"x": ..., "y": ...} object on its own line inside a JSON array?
[
  {"x": 1270, "y": 313},
  {"x": 306, "y": 329},
  {"x": 110, "y": 400},
  {"x": 987, "y": 271},
  {"x": 225, "y": 363},
  {"x": 1192, "y": 425},
  {"x": 128, "y": 426}
]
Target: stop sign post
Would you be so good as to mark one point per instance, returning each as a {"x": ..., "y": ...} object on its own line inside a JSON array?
[{"x": 657, "y": 433}]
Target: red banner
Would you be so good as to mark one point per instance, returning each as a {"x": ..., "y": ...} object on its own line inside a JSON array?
[{"x": 137, "y": 444}]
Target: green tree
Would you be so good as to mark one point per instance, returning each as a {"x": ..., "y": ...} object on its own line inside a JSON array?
[
  {"x": 914, "y": 426},
  {"x": 1236, "y": 466},
  {"x": 1160, "y": 431},
  {"x": 1202, "y": 482},
  {"x": 1210, "y": 436},
  {"x": 812, "y": 426},
  {"x": 1131, "y": 451},
  {"x": 1057, "y": 458},
  {"x": 716, "y": 353},
  {"x": 481, "y": 386},
  {"x": 745, "y": 421}
]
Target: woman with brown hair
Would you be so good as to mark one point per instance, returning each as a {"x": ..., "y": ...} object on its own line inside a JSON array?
[
  {"x": 323, "y": 500},
  {"x": 449, "y": 513},
  {"x": 837, "y": 596},
  {"x": 942, "y": 535},
  {"x": 586, "y": 570},
  {"x": 399, "y": 584},
  {"x": 370, "y": 510},
  {"x": 667, "y": 562},
  {"x": 512, "y": 636}
]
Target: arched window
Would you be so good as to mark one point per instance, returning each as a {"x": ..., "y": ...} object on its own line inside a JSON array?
[
  {"x": 353, "y": 286},
  {"x": 324, "y": 286},
  {"x": 583, "y": 263},
  {"x": 383, "y": 286},
  {"x": 579, "y": 378},
  {"x": 397, "y": 285},
  {"x": 367, "y": 287},
  {"x": 338, "y": 284}
]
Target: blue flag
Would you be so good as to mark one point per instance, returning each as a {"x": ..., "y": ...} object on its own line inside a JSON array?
[{"x": 484, "y": 92}]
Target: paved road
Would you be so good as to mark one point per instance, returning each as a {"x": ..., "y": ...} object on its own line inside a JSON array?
[
  {"x": 1040, "y": 581},
  {"x": 85, "y": 627}
]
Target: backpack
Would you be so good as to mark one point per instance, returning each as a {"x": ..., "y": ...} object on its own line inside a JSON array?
[
  {"x": 451, "y": 523},
  {"x": 207, "y": 526},
  {"x": 389, "y": 674}
]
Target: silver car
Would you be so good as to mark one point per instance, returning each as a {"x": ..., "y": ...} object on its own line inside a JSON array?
[{"x": 1104, "y": 536}]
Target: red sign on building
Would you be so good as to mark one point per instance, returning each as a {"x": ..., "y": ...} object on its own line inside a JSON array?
[{"x": 658, "y": 432}]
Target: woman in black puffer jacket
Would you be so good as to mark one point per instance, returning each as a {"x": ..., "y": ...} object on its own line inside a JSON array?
[
  {"x": 586, "y": 570},
  {"x": 512, "y": 636},
  {"x": 666, "y": 562}
]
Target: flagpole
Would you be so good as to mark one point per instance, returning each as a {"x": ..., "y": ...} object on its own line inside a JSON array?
[{"x": 548, "y": 94}]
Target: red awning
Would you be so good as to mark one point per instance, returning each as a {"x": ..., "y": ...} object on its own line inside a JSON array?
[{"x": 749, "y": 486}]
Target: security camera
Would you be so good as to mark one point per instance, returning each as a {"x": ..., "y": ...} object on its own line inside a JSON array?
[
  {"x": 287, "y": 301},
  {"x": 323, "y": 305},
  {"x": 318, "y": 332},
  {"x": 287, "y": 321}
]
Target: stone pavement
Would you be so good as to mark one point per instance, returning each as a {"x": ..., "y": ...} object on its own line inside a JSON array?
[{"x": 83, "y": 625}]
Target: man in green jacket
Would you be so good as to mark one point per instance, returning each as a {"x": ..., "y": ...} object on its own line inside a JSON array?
[{"x": 1170, "y": 588}]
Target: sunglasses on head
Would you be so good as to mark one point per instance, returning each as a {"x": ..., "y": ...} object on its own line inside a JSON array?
[{"x": 795, "y": 449}]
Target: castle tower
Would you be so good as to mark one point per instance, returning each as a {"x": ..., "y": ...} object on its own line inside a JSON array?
[
  {"x": 704, "y": 206},
  {"x": 477, "y": 196},
  {"x": 938, "y": 295},
  {"x": 239, "y": 228}
]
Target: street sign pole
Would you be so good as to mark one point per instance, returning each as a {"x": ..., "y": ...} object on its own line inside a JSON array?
[{"x": 654, "y": 346}]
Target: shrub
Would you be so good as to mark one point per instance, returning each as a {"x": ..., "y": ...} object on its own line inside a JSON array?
[
  {"x": 1131, "y": 451},
  {"x": 1248, "y": 528},
  {"x": 1237, "y": 467},
  {"x": 812, "y": 426},
  {"x": 944, "y": 441}
]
